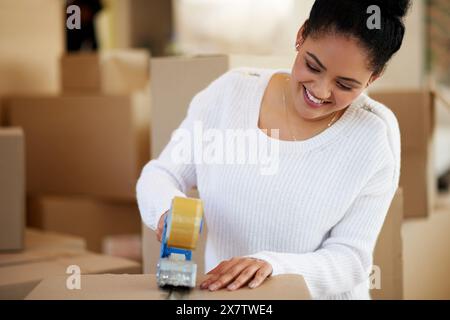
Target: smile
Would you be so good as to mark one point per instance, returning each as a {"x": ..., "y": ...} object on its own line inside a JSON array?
[{"x": 313, "y": 101}]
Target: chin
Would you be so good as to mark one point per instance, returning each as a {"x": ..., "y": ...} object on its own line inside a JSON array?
[{"x": 304, "y": 111}]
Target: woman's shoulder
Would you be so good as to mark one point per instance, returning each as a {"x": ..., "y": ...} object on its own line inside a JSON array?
[
  {"x": 380, "y": 126},
  {"x": 376, "y": 114},
  {"x": 377, "y": 118}
]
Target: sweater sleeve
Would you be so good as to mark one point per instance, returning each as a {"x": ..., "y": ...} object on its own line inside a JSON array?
[
  {"x": 173, "y": 173},
  {"x": 344, "y": 259}
]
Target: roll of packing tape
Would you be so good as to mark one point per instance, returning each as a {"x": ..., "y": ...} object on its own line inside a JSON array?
[{"x": 184, "y": 221}]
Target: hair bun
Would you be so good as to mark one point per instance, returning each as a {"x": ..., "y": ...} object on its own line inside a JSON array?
[{"x": 395, "y": 8}]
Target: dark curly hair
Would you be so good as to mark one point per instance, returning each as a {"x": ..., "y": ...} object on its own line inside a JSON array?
[{"x": 349, "y": 17}]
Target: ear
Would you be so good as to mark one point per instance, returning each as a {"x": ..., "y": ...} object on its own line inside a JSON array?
[
  {"x": 300, "y": 38},
  {"x": 373, "y": 78}
]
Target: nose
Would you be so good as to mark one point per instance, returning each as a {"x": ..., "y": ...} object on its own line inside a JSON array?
[{"x": 321, "y": 90}]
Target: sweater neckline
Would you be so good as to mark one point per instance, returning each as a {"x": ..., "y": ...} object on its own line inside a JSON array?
[{"x": 323, "y": 137}]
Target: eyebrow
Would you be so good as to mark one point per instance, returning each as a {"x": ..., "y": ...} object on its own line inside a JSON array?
[{"x": 323, "y": 67}]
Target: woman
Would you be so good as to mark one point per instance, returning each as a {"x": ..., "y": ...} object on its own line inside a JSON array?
[{"x": 320, "y": 213}]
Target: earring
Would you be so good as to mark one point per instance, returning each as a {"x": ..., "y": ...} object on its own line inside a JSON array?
[{"x": 297, "y": 46}]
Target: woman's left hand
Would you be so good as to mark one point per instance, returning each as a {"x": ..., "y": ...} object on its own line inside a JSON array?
[{"x": 236, "y": 272}]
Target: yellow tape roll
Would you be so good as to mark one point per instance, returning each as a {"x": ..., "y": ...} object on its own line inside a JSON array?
[{"x": 184, "y": 223}]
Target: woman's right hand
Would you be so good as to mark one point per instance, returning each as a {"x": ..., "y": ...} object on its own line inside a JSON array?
[{"x": 160, "y": 228}]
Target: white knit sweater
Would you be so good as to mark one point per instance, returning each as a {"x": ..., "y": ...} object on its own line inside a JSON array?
[{"x": 317, "y": 214}]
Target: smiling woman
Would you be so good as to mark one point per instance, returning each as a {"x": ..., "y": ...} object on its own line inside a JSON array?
[{"x": 320, "y": 213}]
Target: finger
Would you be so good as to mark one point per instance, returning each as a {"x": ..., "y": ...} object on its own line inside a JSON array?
[
  {"x": 205, "y": 284},
  {"x": 246, "y": 275},
  {"x": 260, "y": 276},
  {"x": 215, "y": 273},
  {"x": 221, "y": 268},
  {"x": 229, "y": 275},
  {"x": 216, "y": 268},
  {"x": 158, "y": 234},
  {"x": 224, "y": 265}
]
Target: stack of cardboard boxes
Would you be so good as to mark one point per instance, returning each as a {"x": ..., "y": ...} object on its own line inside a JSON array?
[
  {"x": 80, "y": 153},
  {"x": 85, "y": 147},
  {"x": 48, "y": 254}
]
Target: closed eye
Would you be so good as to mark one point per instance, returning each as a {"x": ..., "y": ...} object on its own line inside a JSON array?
[
  {"x": 311, "y": 68},
  {"x": 344, "y": 87}
]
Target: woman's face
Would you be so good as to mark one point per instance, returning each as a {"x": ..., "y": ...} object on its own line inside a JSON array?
[{"x": 329, "y": 72}]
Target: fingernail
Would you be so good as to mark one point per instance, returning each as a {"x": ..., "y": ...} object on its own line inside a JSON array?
[
  {"x": 252, "y": 285},
  {"x": 212, "y": 287},
  {"x": 232, "y": 286}
]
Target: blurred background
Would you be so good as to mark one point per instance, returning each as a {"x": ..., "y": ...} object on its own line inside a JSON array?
[{"x": 91, "y": 90}]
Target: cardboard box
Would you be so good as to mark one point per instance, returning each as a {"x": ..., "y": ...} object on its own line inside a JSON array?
[
  {"x": 32, "y": 39},
  {"x": 118, "y": 71},
  {"x": 388, "y": 253},
  {"x": 127, "y": 246},
  {"x": 12, "y": 188},
  {"x": 427, "y": 255},
  {"x": 88, "y": 218},
  {"x": 414, "y": 110},
  {"x": 83, "y": 145},
  {"x": 184, "y": 76},
  {"x": 49, "y": 254},
  {"x": 144, "y": 287},
  {"x": 42, "y": 246},
  {"x": 17, "y": 281},
  {"x": 37, "y": 239}
]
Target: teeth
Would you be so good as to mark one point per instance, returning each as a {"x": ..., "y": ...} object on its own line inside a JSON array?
[{"x": 313, "y": 99}]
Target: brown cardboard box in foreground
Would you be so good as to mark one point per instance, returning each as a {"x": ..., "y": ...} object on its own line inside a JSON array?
[
  {"x": 414, "y": 110},
  {"x": 144, "y": 287},
  {"x": 16, "y": 281},
  {"x": 83, "y": 145},
  {"x": 109, "y": 72},
  {"x": 88, "y": 218},
  {"x": 388, "y": 254},
  {"x": 51, "y": 255},
  {"x": 12, "y": 188}
]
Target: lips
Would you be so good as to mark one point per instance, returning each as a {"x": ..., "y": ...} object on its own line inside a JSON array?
[{"x": 313, "y": 101}]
